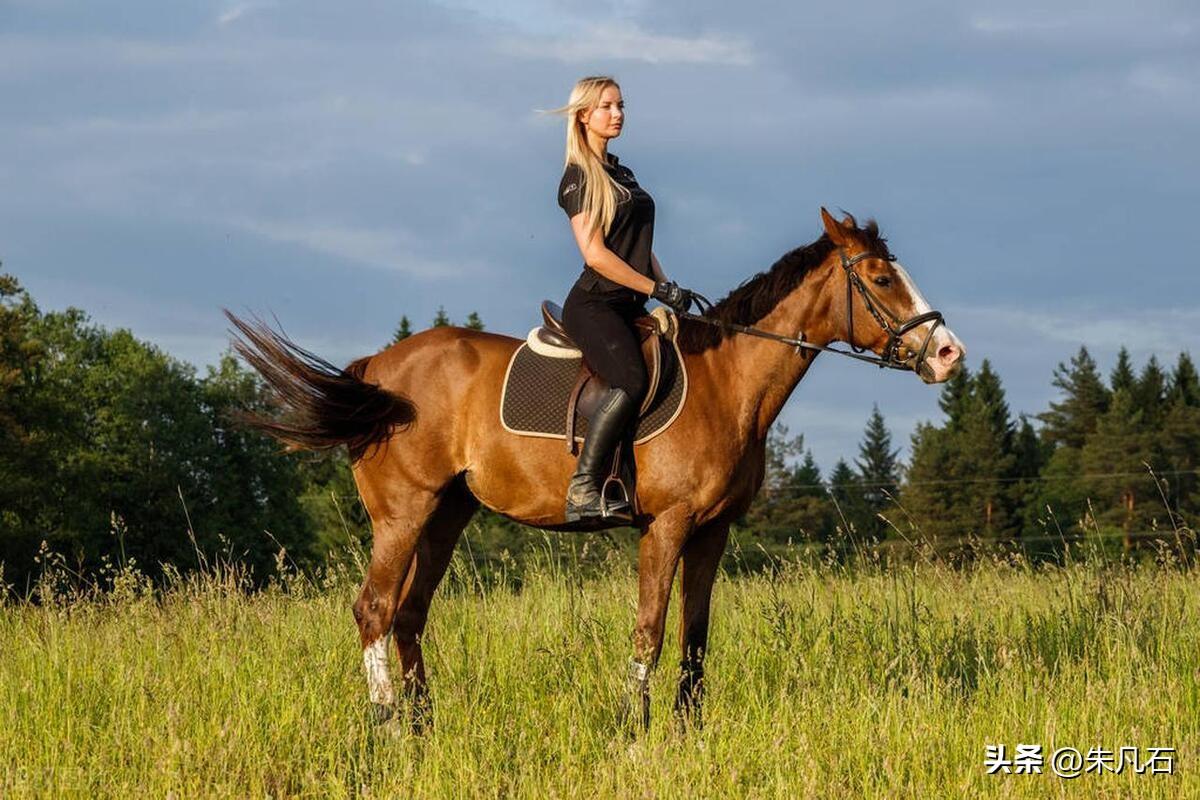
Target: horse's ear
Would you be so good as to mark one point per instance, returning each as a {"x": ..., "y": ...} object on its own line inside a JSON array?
[{"x": 833, "y": 228}]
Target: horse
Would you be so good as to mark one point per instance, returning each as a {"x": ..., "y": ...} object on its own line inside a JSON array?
[{"x": 420, "y": 420}]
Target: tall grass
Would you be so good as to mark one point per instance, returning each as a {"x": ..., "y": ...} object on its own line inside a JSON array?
[{"x": 823, "y": 681}]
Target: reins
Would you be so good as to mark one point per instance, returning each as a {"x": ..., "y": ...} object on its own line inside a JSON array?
[{"x": 895, "y": 328}]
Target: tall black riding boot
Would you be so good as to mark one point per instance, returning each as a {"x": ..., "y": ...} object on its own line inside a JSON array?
[{"x": 605, "y": 429}]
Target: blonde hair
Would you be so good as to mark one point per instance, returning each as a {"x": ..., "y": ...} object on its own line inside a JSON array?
[{"x": 600, "y": 192}]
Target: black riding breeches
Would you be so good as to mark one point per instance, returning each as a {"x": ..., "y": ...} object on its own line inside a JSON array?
[{"x": 602, "y": 328}]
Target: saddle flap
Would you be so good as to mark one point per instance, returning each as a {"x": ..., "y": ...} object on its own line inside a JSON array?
[{"x": 538, "y": 390}]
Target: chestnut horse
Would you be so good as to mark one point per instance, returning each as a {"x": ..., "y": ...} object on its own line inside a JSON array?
[{"x": 421, "y": 420}]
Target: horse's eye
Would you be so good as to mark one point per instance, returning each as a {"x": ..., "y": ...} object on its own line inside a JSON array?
[{"x": 883, "y": 281}]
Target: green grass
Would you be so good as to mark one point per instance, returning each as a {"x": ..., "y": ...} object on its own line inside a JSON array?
[{"x": 822, "y": 682}]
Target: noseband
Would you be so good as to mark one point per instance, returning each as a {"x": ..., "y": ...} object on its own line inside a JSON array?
[{"x": 892, "y": 325}]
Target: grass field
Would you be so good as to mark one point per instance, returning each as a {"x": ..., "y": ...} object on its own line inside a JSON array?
[{"x": 822, "y": 682}]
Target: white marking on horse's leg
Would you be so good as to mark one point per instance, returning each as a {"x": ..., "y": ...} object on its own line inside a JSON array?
[{"x": 379, "y": 680}]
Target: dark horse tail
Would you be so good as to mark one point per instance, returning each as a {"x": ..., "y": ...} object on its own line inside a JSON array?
[{"x": 322, "y": 406}]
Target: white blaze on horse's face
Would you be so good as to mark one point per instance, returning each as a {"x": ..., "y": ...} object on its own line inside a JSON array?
[
  {"x": 945, "y": 354},
  {"x": 379, "y": 681}
]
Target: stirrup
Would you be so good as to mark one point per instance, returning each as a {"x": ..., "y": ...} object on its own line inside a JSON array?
[
  {"x": 619, "y": 508},
  {"x": 601, "y": 507}
]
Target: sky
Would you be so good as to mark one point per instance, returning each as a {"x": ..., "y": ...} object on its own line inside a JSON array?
[{"x": 338, "y": 166}]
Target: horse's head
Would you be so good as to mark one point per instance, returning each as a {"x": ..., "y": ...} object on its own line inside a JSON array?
[{"x": 884, "y": 311}]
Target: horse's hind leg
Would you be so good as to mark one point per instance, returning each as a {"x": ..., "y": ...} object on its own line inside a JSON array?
[
  {"x": 434, "y": 551},
  {"x": 397, "y": 528}
]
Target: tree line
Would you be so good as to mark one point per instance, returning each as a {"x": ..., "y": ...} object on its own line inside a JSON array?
[
  {"x": 1119, "y": 457},
  {"x": 112, "y": 450}
]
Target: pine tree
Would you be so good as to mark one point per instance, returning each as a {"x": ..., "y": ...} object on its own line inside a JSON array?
[
  {"x": 1028, "y": 450},
  {"x": 1029, "y": 457},
  {"x": 811, "y": 512},
  {"x": 879, "y": 471},
  {"x": 1185, "y": 384},
  {"x": 1069, "y": 421},
  {"x": 959, "y": 478},
  {"x": 441, "y": 320},
  {"x": 807, "y": 476},
  {"x": 989, "y": 395},
  {"x": 926, "y": 495},
  {"x": 1150, "y": 393},
  {"x": 1122, "y": 376},
  {"x": 403, "y": 330},
  {"x": 956, "y": 396},
  {"x": 1115, "y": 455},
  {"x": 983, "y": 462},
  {"x": 474, "y": 322},
  {"x": 1001, "y": 507},
  {"x": 1178, "y": 441}
]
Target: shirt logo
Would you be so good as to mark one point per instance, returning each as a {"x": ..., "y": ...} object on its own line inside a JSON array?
[{"x": 570, "y": 189}]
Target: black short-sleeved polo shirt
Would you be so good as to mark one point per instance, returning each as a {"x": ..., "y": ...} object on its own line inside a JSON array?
[{"x": 631, "y": 235}]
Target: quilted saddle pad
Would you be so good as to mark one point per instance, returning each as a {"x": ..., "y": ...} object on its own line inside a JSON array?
[{"x": 537, "y": 389}]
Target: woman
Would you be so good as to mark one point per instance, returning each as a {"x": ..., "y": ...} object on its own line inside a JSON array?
[{"x": 613, "y": 222}]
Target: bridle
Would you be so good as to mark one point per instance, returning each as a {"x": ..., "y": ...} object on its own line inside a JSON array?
[
  {"x": 892, "y": 356},
  {"x": 892, "y": 325}
]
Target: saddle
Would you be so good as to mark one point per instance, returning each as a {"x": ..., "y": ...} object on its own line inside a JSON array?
[{"x": 552, "y": 339}]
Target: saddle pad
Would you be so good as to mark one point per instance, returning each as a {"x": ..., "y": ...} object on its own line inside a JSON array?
[{"x": 537, "y": 388}]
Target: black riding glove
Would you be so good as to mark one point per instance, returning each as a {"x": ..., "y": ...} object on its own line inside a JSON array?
[{"x": 671, "y": 294}]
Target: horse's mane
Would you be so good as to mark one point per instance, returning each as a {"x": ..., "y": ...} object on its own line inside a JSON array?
[{"x": 754, "y": 298}]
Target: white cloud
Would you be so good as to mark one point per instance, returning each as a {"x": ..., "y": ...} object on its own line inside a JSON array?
[
  {"x": 236, "y": 12},
  {"x": 627, "y": 42}
]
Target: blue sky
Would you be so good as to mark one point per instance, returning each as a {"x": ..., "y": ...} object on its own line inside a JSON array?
[{"x": 338, "y": 165}]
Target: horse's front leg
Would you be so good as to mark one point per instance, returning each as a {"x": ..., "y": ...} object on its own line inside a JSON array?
[
  {"x": 701, "y": 557},
  {"x": 658, "y": 555}
]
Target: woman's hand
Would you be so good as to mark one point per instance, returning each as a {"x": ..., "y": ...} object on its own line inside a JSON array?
[{"x": 671, "y": 294}]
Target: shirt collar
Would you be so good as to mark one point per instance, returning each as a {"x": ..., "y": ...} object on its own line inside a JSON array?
[{"x": 612, "y": 159}]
